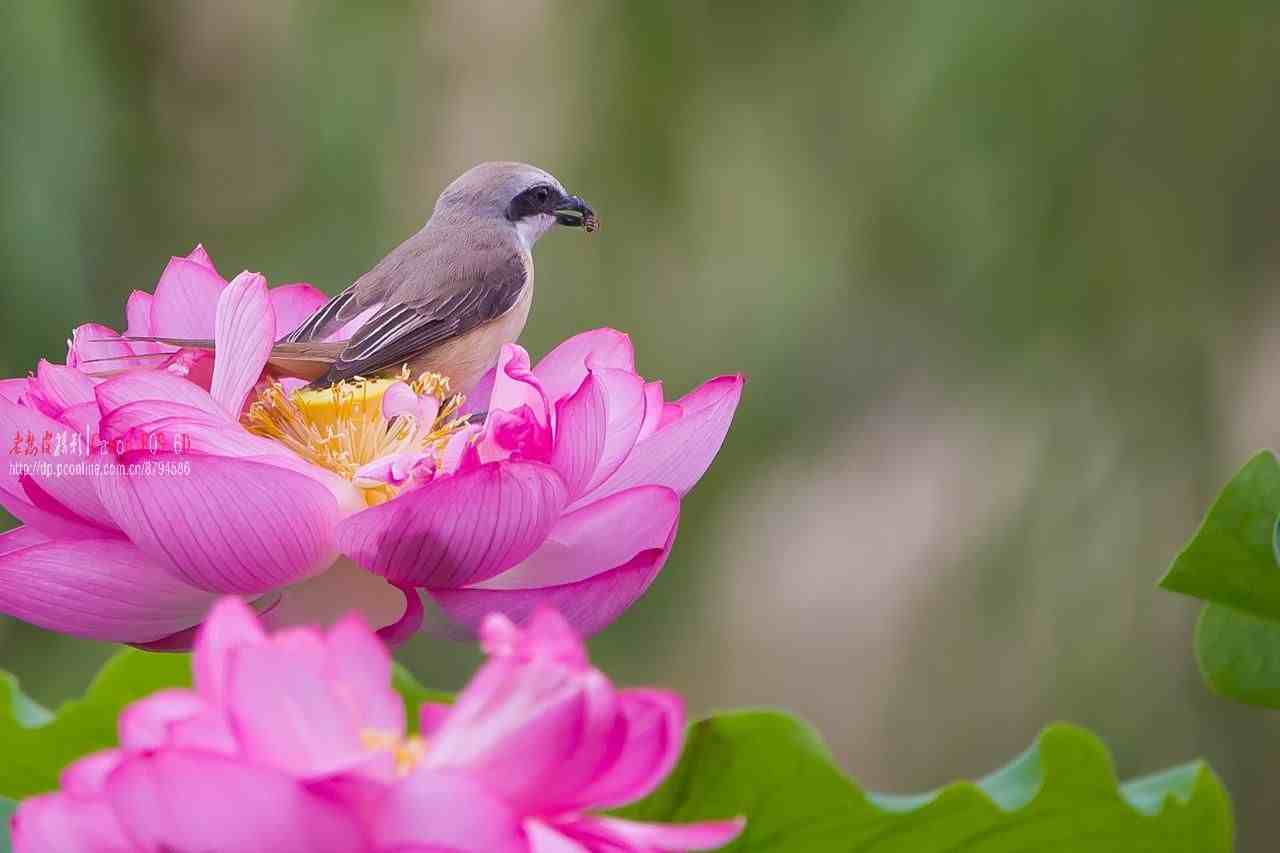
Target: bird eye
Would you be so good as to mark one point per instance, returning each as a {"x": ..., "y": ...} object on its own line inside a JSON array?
[{"x": 541, "y": 194}]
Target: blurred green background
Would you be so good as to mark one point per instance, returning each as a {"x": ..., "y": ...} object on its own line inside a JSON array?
[{"x": 1000, "y": 273}]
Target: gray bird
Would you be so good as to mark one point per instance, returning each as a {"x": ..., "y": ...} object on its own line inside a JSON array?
[{"x": 446, "y": 299}]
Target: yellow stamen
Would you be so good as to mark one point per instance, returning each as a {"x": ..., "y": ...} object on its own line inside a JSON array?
[
  {"x": 407, "y": 752},
  {"x": 341, "y": 428}
]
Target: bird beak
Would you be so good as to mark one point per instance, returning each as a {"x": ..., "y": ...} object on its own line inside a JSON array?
[{"x": 575, "y": 213}]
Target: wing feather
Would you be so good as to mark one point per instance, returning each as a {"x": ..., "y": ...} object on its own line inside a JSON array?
[
  {"x": 403, "y": 331},
  {"x": 326, "y": 320}
]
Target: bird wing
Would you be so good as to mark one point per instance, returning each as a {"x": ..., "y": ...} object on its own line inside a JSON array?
[
  {"x": 328, "y": 318},
  {"x": 439, "y": 284},
  {"x": 450, "y": 300},
  {"x": 372, "y": 290},
  {"x": 366, "y": 292}
]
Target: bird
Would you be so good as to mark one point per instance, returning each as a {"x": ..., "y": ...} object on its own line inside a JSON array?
[{"x": 445, "y": 300}]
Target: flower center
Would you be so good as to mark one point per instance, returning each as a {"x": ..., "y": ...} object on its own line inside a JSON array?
[
  {"x": 408, "y": 752},
  {"x": 342, "y": 428}
]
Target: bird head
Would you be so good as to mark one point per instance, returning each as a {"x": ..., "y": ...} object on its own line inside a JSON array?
[{"x": 525, "y": 196}]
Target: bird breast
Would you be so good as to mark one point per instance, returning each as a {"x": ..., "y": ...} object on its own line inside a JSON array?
[{"x": 466, "y": 358}]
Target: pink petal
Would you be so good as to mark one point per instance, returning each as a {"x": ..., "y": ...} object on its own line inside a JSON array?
[
  {"x": 332, "y": 594},
  {"x": 154, "y": 385},
  {"x": 83, "y": 418},
  {"x": 176, "y": 800},
  {"x": 535, "y": 732},
  {"x": 446, "y": 811},
  {"x": 225, "y": 525},
  {"x": 231, "y": 625},
  {"x": 458, "y": 529},
  {"x": 515, "y": 385},
  {"x": 293, "y": 304},
  {"x": 176, "y": 718},
  {"x": 546, "y": 636},
  {"x": 653, "y": 837},
  {"x": 58, "y": 474},
  {"x": 291, "y": 710},
  {"x": 177, "y": 424},
  {"x": 64, "y": 823},
  {"x": 563, "y": 369},
  {"x": 51, "y": 518},
  {"x": 517, "y": 435},
  {"x": 137, "y": 314},
  {"x": 186, "y": 300},
  {"x": 193, "y": 365},
  {"x": 671, "y": 412},
  {"x": 200, "y": 256},
  {"x": 460, "y": 453},
  {"x": 245, "y": 331},
  {"x": 431, "y": 716},
  {"x": 654, "y": 733},
  {"x": 145, "y": 723},
  {"x": 625, "y": 403},
  {"x": 537, "y": 723},
  {"x": 87, "y": 776},
  {"x": 20, "y": 537},
  {"x": 589, "y": 604},
  {"x": 13, "y": 389},
  {"x": 178, "y": 641},
  {"x": 711, "y": 394},
  {"x": 581, "y": 421},
  {"x": 544, "y": 839},
  {"x": 427, "y": 410},
  {"x": 61, "y": 386},
  {"x": 34, "y": 399},
  {"x": 653, "y": 406},
  {"x": 679, "y": 454},
  {"x": 398, "y": 399},
  {"x": 399, "y": 632},
  {"x": 362, "y": 665},
  {"x": 396, "y": 470},
  {"x": 601, "y": 536},
  {"x": 98, "y": 350},
  {"x": 100, "y": 589},
  {"x": 79, "y": 526}
]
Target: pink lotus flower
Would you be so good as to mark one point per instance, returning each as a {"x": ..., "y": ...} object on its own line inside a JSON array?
[
  {"x": 548, "y": 737},
  {"x": 210, "y": 478},
  {"x": 296, "y": 742}
]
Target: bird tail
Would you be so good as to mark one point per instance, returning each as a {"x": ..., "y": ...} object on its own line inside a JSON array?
[
  {"x": 309, "y": 361},
  {"x": 182, "y": 343}
]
